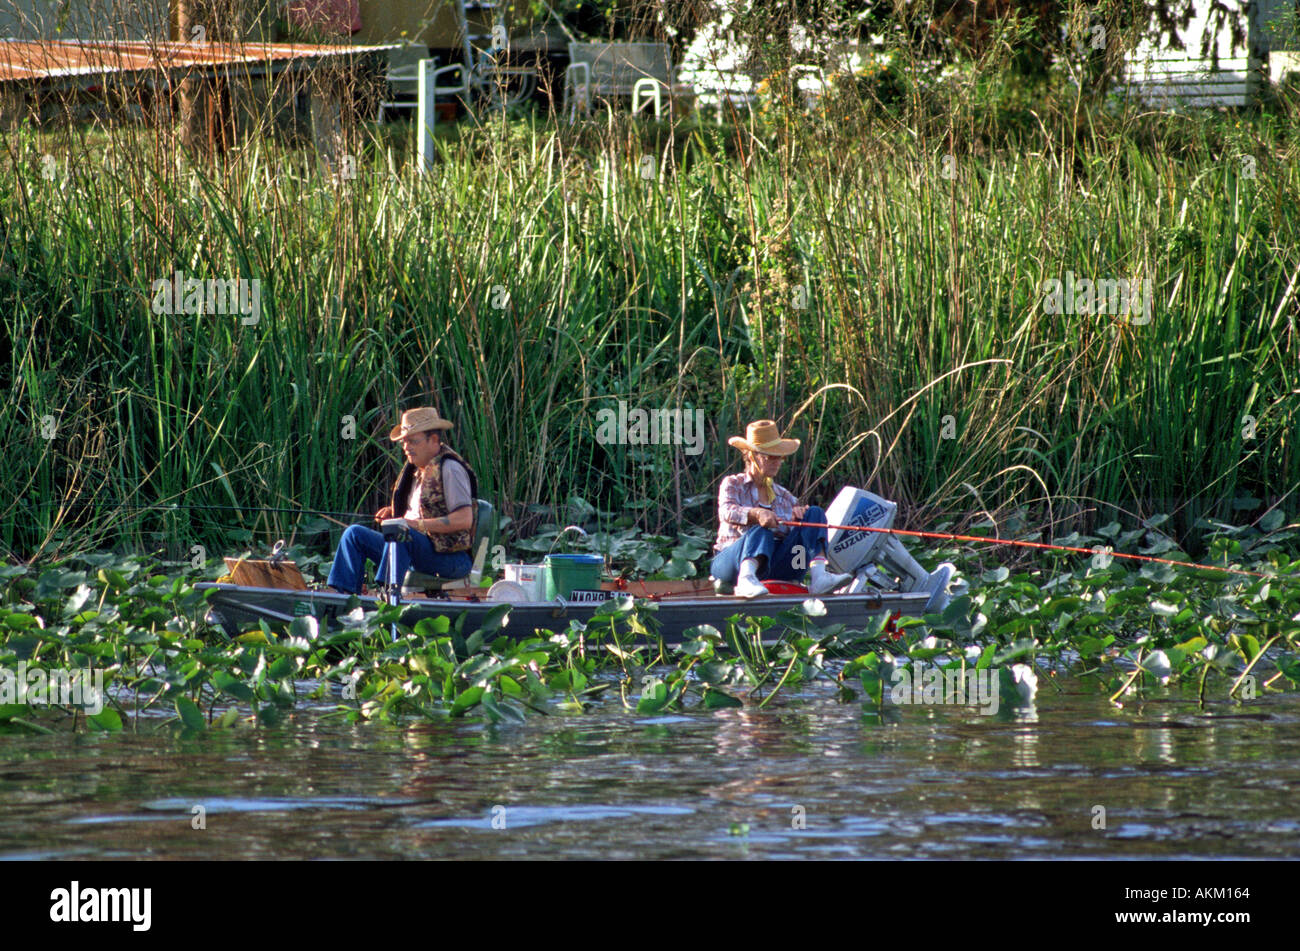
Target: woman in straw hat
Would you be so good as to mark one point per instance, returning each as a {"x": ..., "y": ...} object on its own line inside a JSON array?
[
  {"x": 435, "y": 492},
  {"x": 752, "y": 543}
]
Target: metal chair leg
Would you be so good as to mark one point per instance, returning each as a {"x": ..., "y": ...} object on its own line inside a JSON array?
[{"x": 394, "y": 589}]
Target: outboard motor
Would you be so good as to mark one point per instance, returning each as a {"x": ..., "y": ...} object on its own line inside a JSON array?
[{"x": 878, "y": 559}]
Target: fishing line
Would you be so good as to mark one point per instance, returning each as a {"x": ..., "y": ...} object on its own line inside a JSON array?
[
  {"x": 1009, "y": 541},
  {"x": 172, "y": 506}
]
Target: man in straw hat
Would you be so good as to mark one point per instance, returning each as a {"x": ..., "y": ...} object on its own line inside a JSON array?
[
  {"x": 752, "y": 543},
  {"x": 435, "y": 492}
]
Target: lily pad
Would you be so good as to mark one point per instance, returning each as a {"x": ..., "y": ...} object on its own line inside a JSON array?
[
  {"x": 106, "y": 720},
  {"x": 190, "y": 714}
]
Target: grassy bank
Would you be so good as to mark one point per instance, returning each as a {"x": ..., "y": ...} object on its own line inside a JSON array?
[{"x": 874, "y": 284}]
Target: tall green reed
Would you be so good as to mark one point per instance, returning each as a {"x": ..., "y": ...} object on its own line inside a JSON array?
[{"x": 857, "y": 277}]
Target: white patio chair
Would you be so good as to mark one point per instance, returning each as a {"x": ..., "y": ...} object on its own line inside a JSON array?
[{"x": 642, "y": 71}]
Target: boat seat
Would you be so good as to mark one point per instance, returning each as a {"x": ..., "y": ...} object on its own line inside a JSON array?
[{"x": 416, "y": 582}]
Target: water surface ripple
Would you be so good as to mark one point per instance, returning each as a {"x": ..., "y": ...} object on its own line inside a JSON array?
[{"x": 934, "y": 782}]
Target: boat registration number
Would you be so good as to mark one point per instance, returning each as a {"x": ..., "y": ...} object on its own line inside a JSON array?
[{"x": 590, "y": 597}]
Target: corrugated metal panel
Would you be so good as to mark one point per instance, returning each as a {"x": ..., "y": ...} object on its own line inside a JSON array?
[{"x": 21, "y": 60}]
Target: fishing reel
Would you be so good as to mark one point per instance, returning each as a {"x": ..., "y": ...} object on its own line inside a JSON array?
[{"x": 877, "y": 559}]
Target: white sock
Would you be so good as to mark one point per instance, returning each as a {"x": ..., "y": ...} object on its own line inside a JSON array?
[
  {"x": 821, "y": 580},
  {"x": 747, "y": 584}
]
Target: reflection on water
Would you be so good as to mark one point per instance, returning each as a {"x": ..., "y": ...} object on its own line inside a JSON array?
[{"x": 804, "y": 777}]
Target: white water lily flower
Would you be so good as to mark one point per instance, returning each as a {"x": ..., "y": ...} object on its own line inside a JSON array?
[
  {"x": 1210, "y": 651},
  {"x": 1026, "y": 681},
  {"x": 1157, "y": 664},
  {"x": 355, "y": 616},
  {"x": 306, "y": 628},
  {"x": 973, "y": 653},
  {"x": 930, "y": 643}
]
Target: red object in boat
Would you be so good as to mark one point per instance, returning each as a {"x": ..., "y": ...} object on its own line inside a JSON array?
[
  {"x": 784, "y": 587},
  {"x": 891, "y": 628}
]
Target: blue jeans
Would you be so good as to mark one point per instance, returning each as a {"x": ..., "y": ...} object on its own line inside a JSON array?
[
  {"x": 780, "y": 553},
  {"x": 359, "y": 543}
]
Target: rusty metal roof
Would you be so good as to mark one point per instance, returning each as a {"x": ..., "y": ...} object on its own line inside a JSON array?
[{"x": 27, "y": 60}]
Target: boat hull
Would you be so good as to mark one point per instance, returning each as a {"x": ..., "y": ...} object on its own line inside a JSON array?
[{"x": 235, "y": 608}]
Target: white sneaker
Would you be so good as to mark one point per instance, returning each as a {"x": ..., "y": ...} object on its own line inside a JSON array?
[
  {"x": 821, "y": 581},
  {"x": 748, "y": 585}
]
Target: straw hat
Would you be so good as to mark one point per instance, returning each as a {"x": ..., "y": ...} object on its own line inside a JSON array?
[
  {"x": 763, "y": 436},
  {"x": 417, "y": 421}
]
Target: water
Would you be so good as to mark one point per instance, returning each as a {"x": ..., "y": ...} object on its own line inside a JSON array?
[{"x": 937, "y": 782}]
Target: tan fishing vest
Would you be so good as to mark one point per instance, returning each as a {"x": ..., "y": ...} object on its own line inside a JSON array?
[{"x": 433, "y": 501}]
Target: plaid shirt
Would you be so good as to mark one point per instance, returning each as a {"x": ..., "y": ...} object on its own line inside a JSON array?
[{"x": 737, "y": 493}]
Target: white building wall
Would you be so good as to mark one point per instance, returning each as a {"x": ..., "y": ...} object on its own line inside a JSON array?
[{"x": 1210, "y": 70}]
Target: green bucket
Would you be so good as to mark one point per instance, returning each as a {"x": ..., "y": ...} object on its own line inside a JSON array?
[{"x": 568, "y": 573}]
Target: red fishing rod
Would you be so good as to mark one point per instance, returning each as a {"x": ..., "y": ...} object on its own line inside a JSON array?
[{"x": 1011, "y": 541}]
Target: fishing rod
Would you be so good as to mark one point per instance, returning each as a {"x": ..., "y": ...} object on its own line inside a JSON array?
[{"x": 1022, "y": 544}]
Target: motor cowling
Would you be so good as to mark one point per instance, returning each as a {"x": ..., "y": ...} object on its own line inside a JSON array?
[
  {"x": 848, "y": 550},
  {"x": 878, "y": 558}
]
